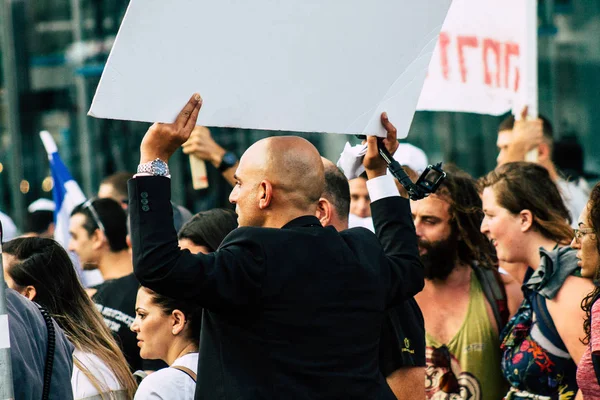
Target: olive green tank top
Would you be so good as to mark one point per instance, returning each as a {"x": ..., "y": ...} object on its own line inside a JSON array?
[{"x": 468, "y": 367}]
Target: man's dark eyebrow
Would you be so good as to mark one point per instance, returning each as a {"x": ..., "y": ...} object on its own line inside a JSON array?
[{"x": 431, "y": 217}]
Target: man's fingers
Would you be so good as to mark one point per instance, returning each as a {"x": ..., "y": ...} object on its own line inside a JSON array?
[
  {"x": 201, "y": 131},
  {"x": 189, "y": 148},
  {"x": 524, "y": 113},
  {"x": 372, "y": 150},
  {"x": 191, "y": 122},
  {"x": 392, "y": 133},
  {"x": 391, "y": 141},
  {"x": 185, "y": 114}
]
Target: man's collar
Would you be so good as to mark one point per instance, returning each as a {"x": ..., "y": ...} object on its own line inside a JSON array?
[{"x": 303, "y": 221}]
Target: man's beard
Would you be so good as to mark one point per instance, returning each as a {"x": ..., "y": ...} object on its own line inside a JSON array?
[{"x": 440, "y": 257}]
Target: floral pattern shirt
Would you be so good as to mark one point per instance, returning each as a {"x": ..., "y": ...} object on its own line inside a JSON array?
[{"x": 529, "y": 367}]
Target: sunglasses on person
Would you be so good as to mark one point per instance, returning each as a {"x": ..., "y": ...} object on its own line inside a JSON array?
[
  {"x": 88, "y": 205},
  {"x": 581, "y": 232}
]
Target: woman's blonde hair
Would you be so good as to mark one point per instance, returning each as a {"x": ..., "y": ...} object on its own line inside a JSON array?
[{"x": 45, "y": 265}]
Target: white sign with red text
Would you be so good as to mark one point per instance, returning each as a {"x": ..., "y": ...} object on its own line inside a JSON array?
[{"x": 485, "y": 60}]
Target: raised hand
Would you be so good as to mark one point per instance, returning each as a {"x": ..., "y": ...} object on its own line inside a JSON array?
[
  {"x": 526, "y": 135},
  {"x": 162, "y": 140},
  {"x": 373, "y": 163}
]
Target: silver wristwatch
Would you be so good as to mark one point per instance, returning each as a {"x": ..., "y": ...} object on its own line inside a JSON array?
[{"x": 155, "y": 167}]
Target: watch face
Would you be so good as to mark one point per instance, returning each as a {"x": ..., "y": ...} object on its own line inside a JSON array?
[
  {"x": 229, "y": 159},
  {"x": 159, "y": 167}
]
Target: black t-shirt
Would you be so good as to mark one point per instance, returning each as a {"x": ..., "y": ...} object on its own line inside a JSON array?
[
  {"x": 402, "y": 342},
  {"x": 115, "y": 299}
]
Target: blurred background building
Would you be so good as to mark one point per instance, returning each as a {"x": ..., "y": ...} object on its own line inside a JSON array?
[{"x": 53, "y": 51}]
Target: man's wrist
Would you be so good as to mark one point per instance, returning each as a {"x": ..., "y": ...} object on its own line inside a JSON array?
[
  {"x": 217, "y": 156},
  {"x": 515, "y": 153},
  {"x": 146, "y": 158},
  {"x": 374, "y": 173}
]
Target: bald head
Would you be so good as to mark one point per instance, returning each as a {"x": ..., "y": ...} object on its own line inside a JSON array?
[
  {"x": 292, "y": 165},
  {"x": 278, "y": 179}
]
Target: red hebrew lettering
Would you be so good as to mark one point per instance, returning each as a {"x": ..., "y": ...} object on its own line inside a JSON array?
[
  {"x": 512, "y": 49},
  {"x": 494, "y": 45},
  {"x": 470, "y": 41},
  {"x": 444, "y": 42}
]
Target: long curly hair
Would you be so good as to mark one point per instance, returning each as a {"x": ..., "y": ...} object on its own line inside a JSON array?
[
  {"x": 589, "y": 300},
  {"x": 459, "y": 189}
]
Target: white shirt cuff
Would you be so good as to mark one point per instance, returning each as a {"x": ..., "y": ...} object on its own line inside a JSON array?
[
  {"x": 148, "y": 174},
  {"x": 382, "y": 187}
]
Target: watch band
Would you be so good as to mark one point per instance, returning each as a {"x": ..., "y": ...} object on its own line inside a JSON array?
[
  {"x": 155, "y": 167},
  {"x": 227, "y": 161}
]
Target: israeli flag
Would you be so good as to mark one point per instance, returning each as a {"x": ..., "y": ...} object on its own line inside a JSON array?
[
  {"x": 66, "y": 192},
  {"x": 67, "y": 195}
]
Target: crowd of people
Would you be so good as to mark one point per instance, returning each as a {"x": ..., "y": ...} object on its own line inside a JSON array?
[{"x": 323, "y": 284}]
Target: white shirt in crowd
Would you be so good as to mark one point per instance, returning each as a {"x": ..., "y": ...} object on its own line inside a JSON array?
[
  {"x": 575, "y": 198},
  {"x": 9, "y": 229},
  {"x": 170, "y": 383},
  {"x": 83, "y": 387},
  {"x": 355, "y": 221}
]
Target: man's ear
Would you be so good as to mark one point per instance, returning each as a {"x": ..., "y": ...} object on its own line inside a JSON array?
[
  {"x": 526, "y": 218},
  {"x": 324, "y": 211},
  {"x": 51, "y": 229},
  {"x": 129, "y": 246},
  {"x": 265, "y": 194},
  {"x": 544, "y": 153},
  {"x": 178, "y": 321},
  {"x": 98, "y": 239},
  {"x": 29, "y": 292}
]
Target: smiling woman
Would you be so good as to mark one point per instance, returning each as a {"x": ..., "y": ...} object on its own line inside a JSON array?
[
  {"x": 168, "y": 330},
  {"x": 528, "y": 223}
]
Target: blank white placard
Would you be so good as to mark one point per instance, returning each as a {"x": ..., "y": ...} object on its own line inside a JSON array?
[{"x": 294, "y": 65}]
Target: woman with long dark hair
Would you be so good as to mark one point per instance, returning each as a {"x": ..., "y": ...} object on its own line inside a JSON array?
[
  {"x": 41, "y": 270},
  {"x": 168, "y": 330},
  {"x": 587, "y": 244},
  {"x": 528, "y": 224}
]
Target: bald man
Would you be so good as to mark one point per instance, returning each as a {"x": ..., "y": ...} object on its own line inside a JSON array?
[{"x": 292, "y": 310}]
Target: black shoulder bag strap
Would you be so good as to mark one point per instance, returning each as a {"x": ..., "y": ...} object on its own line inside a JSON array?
[
  {"x": 493, "y": 289},
  {"x": 49, "y": 353}
]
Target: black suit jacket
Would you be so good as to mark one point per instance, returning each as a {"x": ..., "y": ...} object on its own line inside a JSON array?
[{"x": 292, "y": 313}]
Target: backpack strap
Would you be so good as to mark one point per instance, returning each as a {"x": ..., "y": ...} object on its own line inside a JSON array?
[
  {"x": 186, "y": 370},
  {"x": 495, "y": 293},
  {"x": 545, "y": 323},
  {"x": 49, "y": 352}
]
